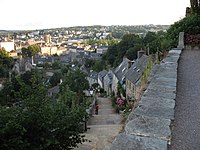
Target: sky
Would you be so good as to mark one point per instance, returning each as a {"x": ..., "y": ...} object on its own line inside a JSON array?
[{"x": 42, "y": 14}]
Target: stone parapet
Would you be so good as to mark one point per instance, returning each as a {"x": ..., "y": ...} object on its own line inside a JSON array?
[{"x": 148, "y": 126}]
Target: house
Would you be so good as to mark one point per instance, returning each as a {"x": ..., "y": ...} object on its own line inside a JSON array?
[
  {"x": 95, "y": 56},
  {"x": 53, "y": 92},
  {"x": 16, "y": 67},
  {"x": 102, "y": 49},
  {"x": 84, "y": 69},
  {"x": 8, "y": 45},
  {"x": 22, "y": 65},
  {"x": 92, "y": 78},
  {"x": 28, "y": 66},
  {"x": 133, "y": 77},
  {"x": 107, "y": 82},
  {"x": 101, "y": 76},
  {"x": 13, "y": 54},
  {"x": 49, "y": 50},
  {"x": 119, "y": 74}
]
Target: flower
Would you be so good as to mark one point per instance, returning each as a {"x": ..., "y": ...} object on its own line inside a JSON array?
[
  {"x": 192, "y": 39},
  {"x": 120, "y": 101}
]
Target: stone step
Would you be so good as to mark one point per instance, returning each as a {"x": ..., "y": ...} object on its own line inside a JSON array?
[
  {"x": 105, "y": 126},
  {"x": 106, "y": 111},
  {"x": 105, "y": 119}
]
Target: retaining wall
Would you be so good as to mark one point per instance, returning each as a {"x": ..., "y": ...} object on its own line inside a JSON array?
[{"x": 148, "y": 126}]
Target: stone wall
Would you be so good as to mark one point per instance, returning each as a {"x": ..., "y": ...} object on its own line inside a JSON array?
[{"x": 148, "y": 126}]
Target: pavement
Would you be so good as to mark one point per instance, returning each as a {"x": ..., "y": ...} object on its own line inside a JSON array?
[
  {"x": 102, "y": 128},
  {"x": 186, "y": 128}
]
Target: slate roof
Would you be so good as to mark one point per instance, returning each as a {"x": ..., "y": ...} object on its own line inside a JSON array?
[
  {"x": 102, "y": 74},
  {"x": 93, "y": 75},
  {"x": 122, "y": 69},
  {"x": 54, "y": 89},
  {"x": 108, "y": 77},
  {"x": 137, "y": 69}
]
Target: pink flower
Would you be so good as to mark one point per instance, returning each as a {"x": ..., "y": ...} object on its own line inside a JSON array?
[{"x": 120, "y": 101}]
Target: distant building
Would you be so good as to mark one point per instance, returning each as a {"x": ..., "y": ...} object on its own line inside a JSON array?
[
  {"x": 47, "y": 50},
  {"x": 8, "y": 45},
  {"x": 102, "y": 49},
  {"x": 47, "y": 39},
  {"x": 13, "y": 54},
  {"x": 92, "y": 78}
]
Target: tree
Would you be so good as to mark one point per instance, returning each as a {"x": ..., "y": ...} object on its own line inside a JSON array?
[
  {"x": 188, "y": 25},
  {"x": 89, "y": 63},
  {"x": 56, "y": 65},
  {"x": 38, "y": 124},
  {"x": 98, "y": 66},
  {"x": 115, "y": 53},
  {"x": 77, "y": 82},
  {"x": 131, "y": 53},
  {"x": 30, "y": 50},
  {"x": 55, "y": 79},
  {"x": 6, "y": 63}
]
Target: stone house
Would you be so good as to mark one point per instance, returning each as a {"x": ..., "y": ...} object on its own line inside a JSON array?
[
  {"x": 119, "y": 74},
  {"x": 107, "y": 82},
  {"x": 101, "y": 76},
  {"x": 92, "y": 78},
  {"x": 133, "y": 77}
]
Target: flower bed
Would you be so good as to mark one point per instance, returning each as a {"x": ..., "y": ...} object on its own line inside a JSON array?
[
  {"x": 193, "y": 40},
  {"x": 118, "y": 104}
]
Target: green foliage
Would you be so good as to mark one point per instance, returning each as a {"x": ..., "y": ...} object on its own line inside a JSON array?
[
  {"x": 36, "y": 123},
  {"x": 131, "y": 44},
  {"x": 11, "y": 93},
  {"x": 46, "y": 65},
  {"x": 64, "y": 69},
  {"x": 6, "y": 63},
  {"x": 77, "y": 82},
  {"x": 189, "y": 25},
  {"x": 107, "y": 42},
  {"x": 56, "y": 65},
  {"x": 131, "y": 53},
  {"x": 120, "y": 90},
  {"x": 115, "y": 53},
  {"x": 98, "y": 65},
  {"x": 89, "y": 63},
  {"x": 30, "y": 50},
  {"x": 55, "y": 79}
]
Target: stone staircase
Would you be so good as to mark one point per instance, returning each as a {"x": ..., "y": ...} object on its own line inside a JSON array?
[{"x": 102, "y": 128}]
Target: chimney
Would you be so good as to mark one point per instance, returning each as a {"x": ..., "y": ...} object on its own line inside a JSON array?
[{"x": 140, "y": 53}]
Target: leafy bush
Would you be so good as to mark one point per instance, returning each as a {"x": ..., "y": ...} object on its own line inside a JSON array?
[{"x": 189, "y": 25}]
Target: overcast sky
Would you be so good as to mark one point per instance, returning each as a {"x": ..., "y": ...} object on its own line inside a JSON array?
[{"x": 38, "y": 14}]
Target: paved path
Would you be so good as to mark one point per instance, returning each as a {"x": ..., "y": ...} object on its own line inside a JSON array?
[
  {"x": 102, "y": 127},
  {"x": 186, "y": 130}
]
